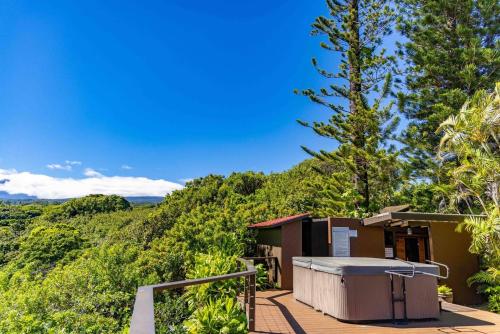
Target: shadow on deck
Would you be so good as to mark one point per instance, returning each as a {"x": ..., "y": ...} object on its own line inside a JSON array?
[{"x": 278, "y": 312}]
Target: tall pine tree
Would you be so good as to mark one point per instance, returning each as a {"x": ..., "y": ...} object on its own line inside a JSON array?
[
  {"x": 452, "y": 51},
  {"x": 359, "y": 122}
]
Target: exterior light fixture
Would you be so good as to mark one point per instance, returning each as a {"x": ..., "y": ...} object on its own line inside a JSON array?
[{"x": 409, "y": 231}]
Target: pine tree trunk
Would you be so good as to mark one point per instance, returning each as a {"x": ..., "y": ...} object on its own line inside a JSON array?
[{"x": 355, "y": 105}]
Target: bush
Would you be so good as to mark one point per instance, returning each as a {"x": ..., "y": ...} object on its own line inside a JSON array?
[
  {"x": 444, "y": 290},
  {"x": 223, "y": 315},
  {"x": 261, "y": 279},
  {"x": 246, "y": 183},
  {"x": 48, "y": 244},
  {"x": 207, "y": 265},
  {"x": 88, "y": 205},
  {"x": 171, "y": 310},
  {"x": 214, "y": 305},
  {"x": 493, "y": 298}
]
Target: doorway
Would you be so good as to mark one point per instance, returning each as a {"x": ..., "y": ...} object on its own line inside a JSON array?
[{"x": 411, "y": 249}]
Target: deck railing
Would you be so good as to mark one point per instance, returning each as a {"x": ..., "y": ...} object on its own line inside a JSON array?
[{"x": 143, "y": 317}]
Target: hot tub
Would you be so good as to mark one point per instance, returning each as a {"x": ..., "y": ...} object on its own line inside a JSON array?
[{"x": 360, "y": 289}]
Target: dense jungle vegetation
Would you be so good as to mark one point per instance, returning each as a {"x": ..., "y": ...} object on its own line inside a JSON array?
[{"x": 74, "y": 267}]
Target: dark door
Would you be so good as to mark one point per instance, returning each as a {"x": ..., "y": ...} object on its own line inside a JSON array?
[{"x": 412, "y": 250}]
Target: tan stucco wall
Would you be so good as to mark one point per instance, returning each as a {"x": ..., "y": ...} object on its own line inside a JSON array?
[{"x": 451, "y": 248}]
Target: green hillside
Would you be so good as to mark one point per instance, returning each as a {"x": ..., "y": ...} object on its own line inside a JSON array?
[{"x": 76, "y": 266}]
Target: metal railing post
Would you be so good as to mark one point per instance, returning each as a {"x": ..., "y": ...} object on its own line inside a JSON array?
[
  {"x": 251, "y": 305},
  {"x": 247, "y": 292}
]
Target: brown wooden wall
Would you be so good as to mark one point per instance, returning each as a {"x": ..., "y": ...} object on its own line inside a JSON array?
[
  {"x": 269, "y": 236},
  {"x": 283, "y": 242},
  {"x": 267, "y": 250},
  {"x": 269, "y": 244},
  {"x": 452, "y": 248},
  {"x": 370, "y": 240},
  {"x": 291, "y": 243}
]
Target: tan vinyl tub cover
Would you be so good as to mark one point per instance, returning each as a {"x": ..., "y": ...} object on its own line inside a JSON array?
[{"x": 359, "y": 289}]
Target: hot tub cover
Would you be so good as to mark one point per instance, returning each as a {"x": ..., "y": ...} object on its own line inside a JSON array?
[
  {"x": 301, "y": 261},
  {"x": 359, "y": 265}
]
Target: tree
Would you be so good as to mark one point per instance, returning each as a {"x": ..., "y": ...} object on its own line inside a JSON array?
[
  {"x": 48, "y": 244},
  {"x": 87, "y": 205},
  {"x": 472, "y": 138},
  {"x": 354, "y": 30},
  {"x": 451, "y": 52}
]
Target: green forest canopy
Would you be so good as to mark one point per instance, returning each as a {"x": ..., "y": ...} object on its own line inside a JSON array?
[{"x": 77, "y": 265}]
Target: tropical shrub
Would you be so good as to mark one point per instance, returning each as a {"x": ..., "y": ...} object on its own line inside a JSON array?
[
  {"x": 261, "y": 278},
  {"x": 207, "y": 265},
  {"x": 213, "y": 305},
  {"x": 493, "y": 293},
  {"x": 488, "y": 283},
  {"x": 223, "y": 315},
  {"x": 171, "y": 310},
  {"x": 472, "y": 141},
  {"x": 87, "y": 205},
  {"x": 47, "y": 244},
  {"x": 444, "y": 289},
  {"x": 14, "y": 219},
  {"x": 95, "y": 293}
]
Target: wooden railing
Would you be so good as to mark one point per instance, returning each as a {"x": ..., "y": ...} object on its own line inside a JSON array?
[{"x": 143, "y": 317}]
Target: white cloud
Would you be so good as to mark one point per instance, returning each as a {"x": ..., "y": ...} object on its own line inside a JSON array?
[
  {"x": 127, "y": 167},
  {"x": 67, "y": 165},
  {"x": 59, "y": 167},
  {"x": 92, "y": 173},
  {"x": 73, "y": 162},
  {"x": 48, "y": 187}
]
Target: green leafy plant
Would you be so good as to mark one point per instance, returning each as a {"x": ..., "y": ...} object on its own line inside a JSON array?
[
  {"x": 261, "y": 278},
  {"x": 223, "y": 315},
  {"x": 207, "y": 265},
  {"x": 87, "y": 205},
  {"x": 472, "y": 137},
  {"x": 47, "y": 244},
  {"x": 444, "y": 290},
  {"x": 488, "y": 283},
  {"x": 493, "y": 293},
  {"x": 171, "y": 310}
]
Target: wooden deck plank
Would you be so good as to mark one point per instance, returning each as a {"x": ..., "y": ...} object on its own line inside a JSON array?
[{"x": 278, "y": 312}]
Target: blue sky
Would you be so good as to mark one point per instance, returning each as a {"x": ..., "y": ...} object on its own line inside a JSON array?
[{"x": 160, "y": 89}]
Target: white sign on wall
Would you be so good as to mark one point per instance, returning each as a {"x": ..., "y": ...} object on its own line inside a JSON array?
[{"x": 340, "y": 240}]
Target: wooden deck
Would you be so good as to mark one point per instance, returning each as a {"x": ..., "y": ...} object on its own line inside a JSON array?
[{"x": 278, "y": 312}]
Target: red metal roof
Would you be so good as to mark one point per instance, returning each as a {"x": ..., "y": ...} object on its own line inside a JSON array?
[{"x": 280, "y": 221}]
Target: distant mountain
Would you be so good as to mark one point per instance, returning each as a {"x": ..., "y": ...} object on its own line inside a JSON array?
[
  {"x": 6, "y": 197},
  {"x": 144, "y": 199}
]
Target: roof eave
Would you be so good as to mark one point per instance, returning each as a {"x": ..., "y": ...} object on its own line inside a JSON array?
[{"x": 388, "y": 218}]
